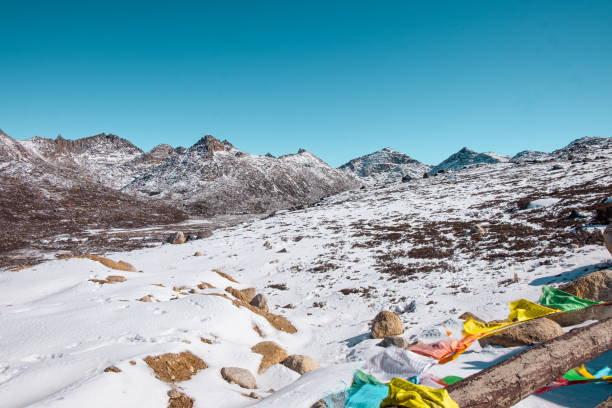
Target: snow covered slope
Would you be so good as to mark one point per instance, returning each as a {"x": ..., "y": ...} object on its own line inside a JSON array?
[
  {"x": 213, "y": 177},
  {"x": 105, "y": 158},
  {"x": 467, "y": 157},
  {"x": 337, "y": 264},
  {"x": 386, "y": 165}
]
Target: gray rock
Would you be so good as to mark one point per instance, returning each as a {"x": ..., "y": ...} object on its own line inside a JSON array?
[
  {"x": 241, "y": 376},
  {"x": 300, "y": 364},
  {"x": 177, "y": 238},
  {"x": 394, "y": 341},
  {"x": 260, "y": 302}
]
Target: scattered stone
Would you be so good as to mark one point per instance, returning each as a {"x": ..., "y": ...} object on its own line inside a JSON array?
[
  {"x": 272, "y": 354},
  {"x": 406, "y": 178},
  {"x": 321, "y": 403},
  {"x": 300, "y": 364},
  {"x": 206, "y": 233},
  {"x": 240, "y": 376},
  {"x": 172, "y": 367},
  {"x": 282, "y": 251},
  {"x": 179, "y": 288},
  {"x": 254, "y": 395},
  {"x": 225, "y": 275},
  {"x": 289, "y": 306},
  {"x": 259, "y": 301},
  {"x": 179, "y": 399},
  {"x": 477, "y": 229},
  {"x": 177, "y": 238},
  {"x": 596, "y": 286},
  {"x": 110, "y": 279},
  {"x": 394, "y": 341},
  {"x": 109, "y": 263},
  {"x": 267, "y": 244},
  {"x": 147, "y": 299},
  {"x": 533, "y": 331},
  {"x": 243, "y": 294},
  {"x": 425, "y": 175},
  {"x": 132, "y": 362},
  {"x": 204, "y": 340},
  {"x": 467, "y": 315},
  {"x": 205, "y": 285},
  {"x": 197, "y": 253},
  {"x": 258, "y": 331},
  {"x": 607, "y": 234},
  {"x": 112, "y": 369},
  {"x": 386, "y": 324}
]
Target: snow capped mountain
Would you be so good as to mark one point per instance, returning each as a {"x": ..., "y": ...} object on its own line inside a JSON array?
[
  {"x": 583, "y": 148},
  {"x": 386, "y": 165},
  {"x": 467, "y": 157},
  {"x": 105, "y": 158},
  {"x": 530, "y": 156},
  {"x": 213, "y": 177}
]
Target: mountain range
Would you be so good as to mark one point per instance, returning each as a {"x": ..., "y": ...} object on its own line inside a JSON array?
[{"x": 54, "y": 186}]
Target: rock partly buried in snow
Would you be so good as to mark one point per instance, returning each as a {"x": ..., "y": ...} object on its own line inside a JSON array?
[
  {"x": 240, "y": 376},
  {"x": 468, "y": 315},
  {"x": 172, "y": 367},
  {"x": 534, "y": 331},
  {"x": 272, "y": 354},
  {"x": 197, "y": 253},
  {"x": 179, "y": 399},
  {"x": 259, "y": 301},
  {"x": 394, "y": 341},
  {"x": 596, "y": 286},
  {"x": 109, "y": 263},
  {"x": 115, "y": 279},
  {"x": 300, "y": 364},
  {"x": 608, "y": 238},
  {"x": 386, "y": 324},
  {"x": 245, "y": 295},
  {"x": 112, "y": 369},
  {"x": 147, "y": 299},
  {"x": 177, "y": 238}
]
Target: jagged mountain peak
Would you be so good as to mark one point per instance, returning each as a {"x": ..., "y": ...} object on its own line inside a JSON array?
[
  {"x": 385, "y": 165},
  {"x": 467, "y": 157},
  {"x": 209, "y": 143}
]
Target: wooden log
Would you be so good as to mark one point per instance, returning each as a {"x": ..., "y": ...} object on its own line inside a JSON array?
[{"x": 508, "y": 382}]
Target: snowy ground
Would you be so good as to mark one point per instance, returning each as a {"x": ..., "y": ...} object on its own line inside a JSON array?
[{"x": 346, "y": 259}]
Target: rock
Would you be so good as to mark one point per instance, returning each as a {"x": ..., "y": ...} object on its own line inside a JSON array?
[
  {"x": 112, "y": 369},
  {"x": 115, "y": 279},
  {"x": 198, "y": 253},
  {"x": 289, "y": 306},
  {"x": 582, "y": 315},
  {"x": 240, "y": 376},
  {"x": 608, "y": 238},
  {"x": 406, "y": 178},
  {"x": 596, "y": 286},
  {"x": 467, "y": 315},
  {"x": 205, "y": 285},
  {"x": 282, "y": 251},
  {"x": 147, "y": 299},
  {"x": 386, "y": 324},
  {"x": 246, "y": 295},
  {"x": 204, "y": 234},
  {"x": 259, "y": 301},
  {"x": 272, "y": 354},
  {"x": 477, "y": 229},
  {"x": 109, "y": 263},
  {"x": 179, "y": 400},
  {"x": 254, "y": 395},
  {"x": 267, "y": 244},
  {"x": 176, "y": 238},
  {"x": 300, "y": 364},
  {"x": 172, "y": 367},
  {"x": 537, "y": 330},
  {"x": 425, "y": 175},
  {"x": 394, "y": 341}
]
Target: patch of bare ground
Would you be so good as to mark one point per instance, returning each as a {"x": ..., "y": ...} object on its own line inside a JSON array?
[{"x": 172, "y": 367}]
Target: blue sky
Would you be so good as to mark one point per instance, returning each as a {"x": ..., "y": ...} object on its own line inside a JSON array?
[{"x": 340, "y": 79}]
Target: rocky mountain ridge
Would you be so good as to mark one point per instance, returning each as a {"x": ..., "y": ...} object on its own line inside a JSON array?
[{"x": 386, "y": 165}]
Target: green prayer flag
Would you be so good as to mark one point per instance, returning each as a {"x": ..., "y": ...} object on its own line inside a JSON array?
[{"x": 559, "y": 299}]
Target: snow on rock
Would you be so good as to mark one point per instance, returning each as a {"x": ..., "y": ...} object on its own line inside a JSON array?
[
  {"x": 543, "y": 202},
  {"x": 386, "y": 165},
  {"x": 530, "y": 156},
  {"x": 467, "y": 157},
  {"x": 214, "y": 177}
]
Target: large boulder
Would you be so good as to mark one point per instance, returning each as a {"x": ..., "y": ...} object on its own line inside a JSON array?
[
  {"x": 533, "y": 331},
  {"x": 607, "y": 234},
  {"x": 272, "y": 354},
  {"x": 172, "y": 367},
  {"x": 596, "y": 286},
  {"x": 260, "y": 302},
  {"x": 386, "y": 324},
  {"x": 177, "y": 238},
  {"x": 241, "y": 376},
  {"x": 300, "y": 364},
  {"x": 582, "y": 315}
]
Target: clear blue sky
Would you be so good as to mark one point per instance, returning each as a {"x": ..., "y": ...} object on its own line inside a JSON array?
[{"x": 340, "y": 79}]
